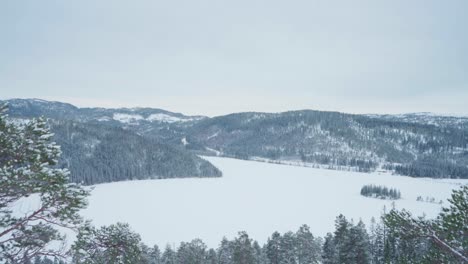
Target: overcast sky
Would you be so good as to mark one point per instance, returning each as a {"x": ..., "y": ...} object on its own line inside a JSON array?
[{"x": 216, "y": 57}]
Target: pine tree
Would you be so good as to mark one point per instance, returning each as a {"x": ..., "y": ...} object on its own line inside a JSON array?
[
  {"x": 341, "y": 235},
  {"x": 193, "y": 252},
  {"x": 27, "y": 160},
  {"x": 260, "y": 254},
  {"x": 288, "y": 248},
  {"x": 273, "y": 248},
  {"x": 211, "y": 257},
  {"x": 358, "y": 245},
  {"x": 308, "y": 250},
  {"x": 447, "y": 232},
  {"x": 243, "y": 252},
  {"x": 377, "y": 242},
  {"x": 155, "y": 255},
  {"x": 452, "y": 223},
  {"x": 145, "y": 254},
  {"x": 108, "y": 244},
  {"x": 225, "y": 251},
  {"x": 329, "y": 254},
  {"x": 169, "y": 256}
]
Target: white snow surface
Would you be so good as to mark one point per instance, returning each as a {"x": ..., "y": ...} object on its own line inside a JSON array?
[
  {"x": 126, "y": 118},
  {"x": 160, "y": 117},
  {"x": 165, "y": 118},
  {"x": 256, "y": 197}
]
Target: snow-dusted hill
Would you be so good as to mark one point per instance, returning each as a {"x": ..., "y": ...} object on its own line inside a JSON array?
[
  {"x": 256, "y": 197},
  {"x": 427, "y": 118},
  {"x": 418, "y": 144}
]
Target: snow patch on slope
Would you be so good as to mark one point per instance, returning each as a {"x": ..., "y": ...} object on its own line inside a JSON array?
[
  {"x": 159, "y": 117},
  {"x": 103, "y": 119},
  {"x": 165, "y": 118},
  {"x": 126, "y": 118}
]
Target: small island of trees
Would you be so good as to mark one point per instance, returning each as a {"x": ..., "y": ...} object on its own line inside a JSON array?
[{"x": 381, "y": 192}]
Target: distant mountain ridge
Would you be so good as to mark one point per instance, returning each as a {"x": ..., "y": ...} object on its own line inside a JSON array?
[
  {"x": 418, "y": 144},
  {"x": 98, "y": 151},
  {"x": 66, "y": 111},
  {"x": 427, "y": 118}
]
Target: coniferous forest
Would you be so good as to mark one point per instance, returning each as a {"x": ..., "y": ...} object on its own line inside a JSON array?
[
  {"x": 162, "y": 144},
  {"x": 28, "y": 167},
  {"x": 381, "y": 192},
  {"x": 233, "y": 132}
]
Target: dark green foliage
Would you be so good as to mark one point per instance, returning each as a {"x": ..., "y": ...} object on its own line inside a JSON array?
[
  {"x": 96, "y": 153},
  {"x": 194, "y": 252},
  {"x": 329, "y": 255},
  {"x": 273, "y": 248},
  {"x": 307, "y": 246},
  {"x": 242, "y": 249},
  {"x": 434, "y": 167},
  {"x": 381, "y": 192},
  {"x": 108, "y": 244},
  {"x": 358, "y": 244},
  {"x": 453, "y": 221},
  {"x": 349, "y": 243},
  {"x": 447, "y": 233},
  {"x": 27, "y": 169},
  {"x": 299, "y": 247}
]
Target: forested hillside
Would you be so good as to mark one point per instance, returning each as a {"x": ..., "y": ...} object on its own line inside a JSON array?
[
  {"x": 97, "y": 152},
  {"x": 340, "y": 141},
  {"x": 420, "y": 145}
]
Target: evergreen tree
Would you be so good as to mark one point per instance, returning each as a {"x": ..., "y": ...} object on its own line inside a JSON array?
[
  {"x": 27, "y": 160},
  {"x": 211, "y": 257},
  {"x": 341, "y": 234},
  {"x": 357, "y": 245},
  {"x": 377, "y": 242},
  {"x": 260, "y": 254},
  {"x": 288, "y": 248},
  {"x": 273, "y": 248},
  {"x": 329, "y": 254},
  {"x": 308, "y": 249},
  {"x": 193, "y": 252},
  {"x": 225, "y": 251},
  {"x": 169, "y": 256},
  {"x": 447, "y": 232},
  {"x": 243, "y": 252},
  {"x": 155, "y": 255},
  {"x": 145, "y": 254},
  {"x": 109, "y": 244}
]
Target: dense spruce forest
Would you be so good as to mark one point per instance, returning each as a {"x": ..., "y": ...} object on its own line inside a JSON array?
[
  {"x": 340, "y": 141},
  {"x": 418, "y": 145},
  {"x": 97, "y": 153}
]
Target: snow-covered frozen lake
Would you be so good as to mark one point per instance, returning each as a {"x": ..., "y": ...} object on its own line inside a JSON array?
[{"x": 255, "y": 197}]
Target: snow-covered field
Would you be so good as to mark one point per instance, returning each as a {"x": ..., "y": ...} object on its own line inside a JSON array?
[{"x": 255, "y": 197}]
